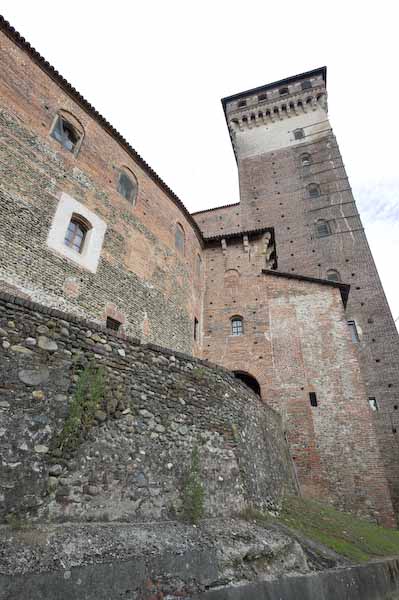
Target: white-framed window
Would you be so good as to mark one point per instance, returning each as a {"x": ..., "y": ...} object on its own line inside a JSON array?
[{"x": 77, "y": 233}]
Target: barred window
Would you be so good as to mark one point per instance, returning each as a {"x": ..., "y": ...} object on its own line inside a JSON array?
[
  {"x": 323, "y": 228},
  {"x": 237, "y": 326}
]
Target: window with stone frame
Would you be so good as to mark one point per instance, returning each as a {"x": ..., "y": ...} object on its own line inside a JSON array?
[
  {"x": 306, "y": 159},
  {"x": 67, "y": 131},
  {"x": 284, "y": 91},
  {"x": 76, "y": 233},
  {"x": 179, "y": 238},
  {"x": 237, "y": 325},
  {"x": 127, "y": 185},
  {"x": 323, "y": 228},
  {"x": 307, "y": 84},
  {"x": 299, "y": 134}
]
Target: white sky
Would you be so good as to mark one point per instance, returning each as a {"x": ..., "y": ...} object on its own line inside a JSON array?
[{"x": 156, "y": 69}]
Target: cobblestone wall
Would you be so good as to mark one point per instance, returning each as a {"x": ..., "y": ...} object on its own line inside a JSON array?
[{"x": 156, "y": 407}]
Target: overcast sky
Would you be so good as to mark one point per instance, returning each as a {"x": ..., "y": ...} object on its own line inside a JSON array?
[{"x": 156, "y": 69}]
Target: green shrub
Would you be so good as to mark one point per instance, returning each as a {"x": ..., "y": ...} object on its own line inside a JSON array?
[{"x": 86, "y": 400}]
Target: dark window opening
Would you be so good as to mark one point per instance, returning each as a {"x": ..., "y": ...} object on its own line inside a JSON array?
[
  {"x": 76, "y": 233},
  {"x": 353, "y": 330},
  {"x": 237, "y": 326},
  {"x": 313, "y": 190},
  {"x": 242, "y": 103},
  {"x": 283, "y": 91},
  {"x": 313, "y": 398},
  {"x": 373, "y": 404},
  {"x": 305, "y": 85},
  {"x": 127, "y": 186},
  {"x": 262, "y": 97},
  {"x": 179, "y": 238},
  {"x": 306, "y": 160},
  {"x": 65, "y": 133},
  {"x": 196, "y": 324},
  {"x": 299, "y": 134},
  {"x": 113, "y": 324},
  {"x": 250, "y": 381}
]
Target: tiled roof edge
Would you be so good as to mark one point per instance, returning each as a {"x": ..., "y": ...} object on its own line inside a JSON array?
[{"x": 20, "y": 41}]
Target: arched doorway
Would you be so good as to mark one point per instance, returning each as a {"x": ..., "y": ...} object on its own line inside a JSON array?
[{"x": 248, "y": 380}]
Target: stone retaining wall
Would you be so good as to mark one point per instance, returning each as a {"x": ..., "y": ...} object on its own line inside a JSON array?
[{"x": 133, "y": 462}]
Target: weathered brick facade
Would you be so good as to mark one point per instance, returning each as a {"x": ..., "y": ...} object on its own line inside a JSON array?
[
  {"x": 295, "y": 339},
  {"x": 275, "y": 171}
]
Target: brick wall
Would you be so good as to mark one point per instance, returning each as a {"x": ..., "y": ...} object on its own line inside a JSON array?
[
  {"x": 296, "y": 341},
  {"x": 274, "y": 193},
  {"x": 141, "y": 280}
]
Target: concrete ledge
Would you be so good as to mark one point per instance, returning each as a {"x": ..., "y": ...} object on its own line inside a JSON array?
[{"x": 372, "y": 581}]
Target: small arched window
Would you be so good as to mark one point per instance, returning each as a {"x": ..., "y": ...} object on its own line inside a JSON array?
[
  {"x": 333, "y": 275},
  {"x": 67, "y": 131},
  {"x": 306, "y": 159},
  {"x": 127, "y": 185},
  {"x": 76, "y": 233},
  {"x": 313, "y": 190},
  {"x": 179, "y": 238},
  {"x": 237, "y": 325},
  {"x": 283, "y": 91},
  {"x": 299, "y": 134},
  {"x": 323, "y": 228}
]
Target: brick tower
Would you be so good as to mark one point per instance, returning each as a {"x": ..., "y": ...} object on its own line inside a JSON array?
[{"x": 292, "y": 178}]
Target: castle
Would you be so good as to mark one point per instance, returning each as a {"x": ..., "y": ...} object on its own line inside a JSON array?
[{"x": 280, "y": 288}]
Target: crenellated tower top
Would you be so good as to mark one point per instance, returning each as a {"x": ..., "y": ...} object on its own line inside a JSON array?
[{"x": 277, "y": 114}]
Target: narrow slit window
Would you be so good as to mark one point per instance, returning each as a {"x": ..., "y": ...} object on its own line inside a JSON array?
[
  {"x": 179, "y": 238},
  {"x": 196, "y": 330},
  {"x": 373, "y": 404},
  {"x": 313, "y": 398},
  {"x": 237, "y": 326},
  {"x": 354, "y": 332},
  {"x": 113, "y": 324}
]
